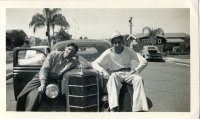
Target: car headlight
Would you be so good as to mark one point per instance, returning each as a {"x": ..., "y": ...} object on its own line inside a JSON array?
[{"x": 52, "y": 91}]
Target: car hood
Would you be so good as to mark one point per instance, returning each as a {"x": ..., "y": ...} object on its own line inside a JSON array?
[{"x": 81, "y": 72}]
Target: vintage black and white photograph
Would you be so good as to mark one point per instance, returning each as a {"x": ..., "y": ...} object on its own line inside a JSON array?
[{"x": 98, "y": 59}]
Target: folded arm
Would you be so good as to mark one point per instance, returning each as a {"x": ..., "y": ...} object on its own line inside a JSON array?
[
  {"x": 142, "y": 61},
  {"x": 97, "y": 64}
]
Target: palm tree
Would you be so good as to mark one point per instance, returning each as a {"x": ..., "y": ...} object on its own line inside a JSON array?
[
  {"x": 62, "y": 35},
  {"x": 153, "y": 33},
  {"x": 60, "y": 20},
  {"x": 49, "y": 18}
]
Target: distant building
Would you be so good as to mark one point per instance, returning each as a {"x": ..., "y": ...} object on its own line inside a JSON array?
[
  {"x": 32, "y": 41},
  {"x": 44, "y": 42},
  {"x": 144, "y": 40},
  {"x": 35, "y": 41},
  {"x": 164, "y": 43},
  {"x": 178, "y": 41}
]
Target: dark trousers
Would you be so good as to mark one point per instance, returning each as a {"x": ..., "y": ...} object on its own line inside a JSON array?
[{"x": 29, "y": 98}]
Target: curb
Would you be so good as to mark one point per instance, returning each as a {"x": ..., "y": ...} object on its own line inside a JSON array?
[
  {"x": 177, "y": 60},
  {"x": 181, "y": 62}
]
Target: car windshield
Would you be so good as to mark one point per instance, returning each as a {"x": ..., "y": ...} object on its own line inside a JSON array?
[
  {"x": 153, "y": 52},
  {"x": 90, "y": 53}
]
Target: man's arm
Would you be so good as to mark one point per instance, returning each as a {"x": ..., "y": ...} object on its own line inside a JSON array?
[
  {"x": 83, "y": 63},
  {"x": 142, "y": 61},
  {"x": 100, "y": 60},
  {"x": 72, "y": 64},
  {"x": 43, "y": 73},
  {"x": 96, "y": 66}
]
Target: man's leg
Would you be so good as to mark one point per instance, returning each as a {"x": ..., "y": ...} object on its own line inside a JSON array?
[
  {"x": 21, "y": 99},
  {"x": 113, "y": 87},
  {"x": 139, "y": 98},
  {"x": 33, "y": 100}
]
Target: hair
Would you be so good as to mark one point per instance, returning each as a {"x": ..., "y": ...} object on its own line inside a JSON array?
[
  {"x": 117, "y": 37},
  {"x": 73, "y": 45}
]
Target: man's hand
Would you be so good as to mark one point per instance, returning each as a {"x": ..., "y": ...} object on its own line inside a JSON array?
[
  {"x": 106, "y": 75},
  {"x": 42, "y": 87},
  {"x": 132, "y": 72}
]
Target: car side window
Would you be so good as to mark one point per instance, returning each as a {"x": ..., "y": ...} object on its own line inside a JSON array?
[{"x": 30, "y": 57}]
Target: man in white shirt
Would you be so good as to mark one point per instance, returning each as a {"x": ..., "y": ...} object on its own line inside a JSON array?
[{"x": 115, "y": 64}]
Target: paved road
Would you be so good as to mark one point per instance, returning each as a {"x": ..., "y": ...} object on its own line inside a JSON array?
[{"x": 167, "y": 87}]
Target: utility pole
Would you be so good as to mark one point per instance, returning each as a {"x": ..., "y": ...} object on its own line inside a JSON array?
[{"x": 130, "y": 21}]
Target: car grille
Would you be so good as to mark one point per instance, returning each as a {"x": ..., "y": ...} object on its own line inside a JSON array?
[{"x": 83, "y": 93}]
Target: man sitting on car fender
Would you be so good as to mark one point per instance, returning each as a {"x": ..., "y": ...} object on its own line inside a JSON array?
[
  {"x": 56, "y": 63},
  {"x": 115, "y": 64}
]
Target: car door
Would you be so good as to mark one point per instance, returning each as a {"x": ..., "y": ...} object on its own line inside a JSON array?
[{"x": 26, "y": 63}]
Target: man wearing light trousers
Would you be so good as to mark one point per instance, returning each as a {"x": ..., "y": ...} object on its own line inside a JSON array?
[{"x": 115, "y": 64}]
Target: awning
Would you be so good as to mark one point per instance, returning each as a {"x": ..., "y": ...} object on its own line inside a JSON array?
[{"x": 175, "y": 40}]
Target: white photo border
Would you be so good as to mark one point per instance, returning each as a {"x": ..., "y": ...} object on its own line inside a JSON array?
[{"x": 194, "y": 72}]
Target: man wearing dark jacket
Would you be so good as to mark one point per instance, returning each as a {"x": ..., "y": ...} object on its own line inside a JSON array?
[{"x": 56, "y": 63}]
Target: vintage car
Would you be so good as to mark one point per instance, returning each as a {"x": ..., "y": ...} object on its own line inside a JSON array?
[
  {"x": 150, "y": 53},
  {"x": 78, "y": 89}
]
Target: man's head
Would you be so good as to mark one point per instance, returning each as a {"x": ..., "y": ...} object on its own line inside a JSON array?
[
  {"x": 117, "y": 42},
  {"x": 70, "y": 50},
  {"x": 116, "y": 35}
]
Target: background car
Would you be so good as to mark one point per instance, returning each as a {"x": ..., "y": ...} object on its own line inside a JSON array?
[{"x": 151, "y": 53}]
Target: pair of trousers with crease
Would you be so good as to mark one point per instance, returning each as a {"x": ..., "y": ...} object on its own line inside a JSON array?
[
  {"x": 29, "y": 97},
  {"x": 114, "y": 85}
]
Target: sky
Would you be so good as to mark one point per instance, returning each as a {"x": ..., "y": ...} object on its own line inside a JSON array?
[{"x": 102, "y": 22}]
